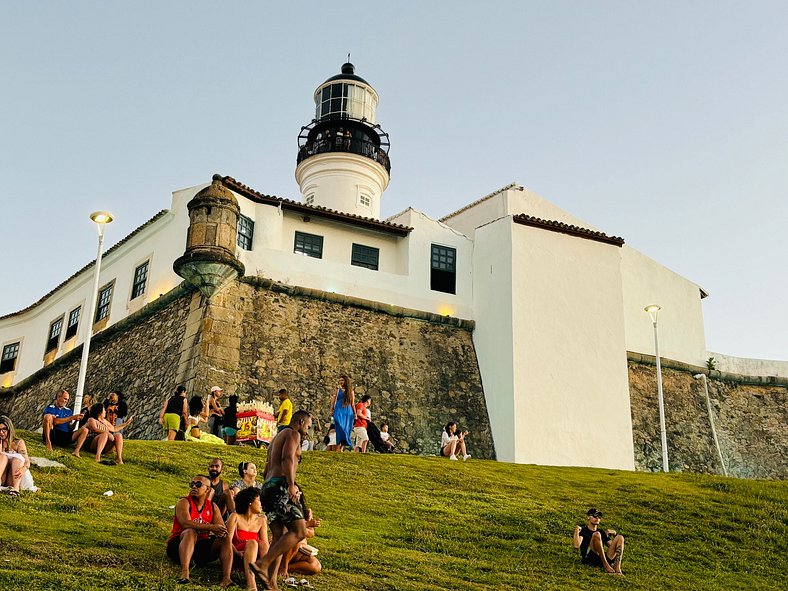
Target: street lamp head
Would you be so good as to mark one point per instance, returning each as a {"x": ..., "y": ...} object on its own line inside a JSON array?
[
  {"x": 101, "y": 219},
  {"x": 652, "y": 311}
]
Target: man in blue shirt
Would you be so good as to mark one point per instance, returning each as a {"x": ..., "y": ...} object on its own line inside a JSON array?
[{"x": 57, "y": 422}]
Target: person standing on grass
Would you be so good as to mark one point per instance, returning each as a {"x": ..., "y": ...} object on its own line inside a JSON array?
[
  {"x": 285, "y": 412},
  {"x": 172, "y": 411},
  {"x": 281, "y": 497},
  {"x": 198, "y": 533},
  {"x": 215, "y": 421},
  {"x": 591, "y": 542},
  {"x": 360, "y": 435},
  {"x": 343, "y": 407}
]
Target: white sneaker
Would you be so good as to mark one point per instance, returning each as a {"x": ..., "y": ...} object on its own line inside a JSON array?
[
  {"x": 453, "y": 457},
  {"x": 465, "y": 457}
]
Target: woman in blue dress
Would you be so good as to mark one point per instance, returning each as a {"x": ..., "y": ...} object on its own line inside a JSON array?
[{"x": 343, "y": 405}]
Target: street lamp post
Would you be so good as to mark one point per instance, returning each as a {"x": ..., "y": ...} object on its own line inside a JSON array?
[
  {"x": 101, "y": 219},
  {"x": 702, "y": 377},
  {"x": 652, "y": 312}
]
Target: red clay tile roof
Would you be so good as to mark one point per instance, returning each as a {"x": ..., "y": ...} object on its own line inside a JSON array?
[
  {"x": 324, "y": 212},
  {"x": 89, "y": 265},
  {"x": 563, "y": 228}
]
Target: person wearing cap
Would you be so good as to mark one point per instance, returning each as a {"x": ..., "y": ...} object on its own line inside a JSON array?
[
  {"x": 215, "y": 419},
  {"x": 285, "y": 412},
  {"x": 591, "y": 542}
]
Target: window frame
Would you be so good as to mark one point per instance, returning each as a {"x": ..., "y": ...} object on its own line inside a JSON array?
[
  {"x": 50, "y": 345},
  {"x": 443, "y": 279},
  {"x": 241, "y": 238},
  {"x": 69, "y": 324},
  {"x": 135, "y": 281},
  {"x": 107, "y": 287},
  {"x": 358, "y": 256},
  {"x": 310, "y": 252},
  {"x": 14, "y": 359}
]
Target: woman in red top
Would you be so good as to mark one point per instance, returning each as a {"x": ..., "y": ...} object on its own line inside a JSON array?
[{"x": 248, "y": 530}]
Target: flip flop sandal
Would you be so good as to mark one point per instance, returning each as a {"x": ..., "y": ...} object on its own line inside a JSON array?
[
  {"x": 304, "y": 583},
  {"x": 291, "y": 582},
  {"x": 13, "y": 494},
  {"x": 183, "y": 581}
]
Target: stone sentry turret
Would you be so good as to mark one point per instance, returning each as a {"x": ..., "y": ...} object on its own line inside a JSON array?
[
  {"x": 343, "y": 160},
  {"x": 209, "y": 262}
]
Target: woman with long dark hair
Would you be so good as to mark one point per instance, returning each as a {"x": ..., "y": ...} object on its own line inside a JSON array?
[
  {"x": 453, "y": 443},
  {"x": 343, "y": 407},
  {"x": 247, "y": 531},
  {"x": 101, "y": 434},
  {"x": 14, "y": 461}
]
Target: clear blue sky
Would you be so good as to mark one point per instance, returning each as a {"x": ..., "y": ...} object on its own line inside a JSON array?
[{"x": 662, "y": 122}]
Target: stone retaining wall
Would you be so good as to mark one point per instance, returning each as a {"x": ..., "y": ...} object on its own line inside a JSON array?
[{"x": 750, "y": 420}]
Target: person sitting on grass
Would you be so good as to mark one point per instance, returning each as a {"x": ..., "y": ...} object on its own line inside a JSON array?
[
  {"x": 14, "y": 461},
  {"x": 99, "y": 435},
  {"x": 385, "y": 436},
  {"x": 198, "y": 413},
  {"x": 247, "y": 531},
  {"x": 452, "y": 443},
  {"x": 591, "y": 542},
  {"x": 303, "y": 558},
  {"x": 248, "y": 473},
  {"x": 198, "y": 533},
  {"x": 57, "y": 421}
]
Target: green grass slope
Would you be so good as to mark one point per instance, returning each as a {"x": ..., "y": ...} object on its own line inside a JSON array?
[{"x": 405, "y": 523}]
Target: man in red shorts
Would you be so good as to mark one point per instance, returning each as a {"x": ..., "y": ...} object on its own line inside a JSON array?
[{"x": 198, "y": 532}]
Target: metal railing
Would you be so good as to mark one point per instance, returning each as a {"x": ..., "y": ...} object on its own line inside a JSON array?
[{"x": 338, "y": 143}]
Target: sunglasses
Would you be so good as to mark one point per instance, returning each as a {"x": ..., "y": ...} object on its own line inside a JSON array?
[{"x": 195, "y": 484}]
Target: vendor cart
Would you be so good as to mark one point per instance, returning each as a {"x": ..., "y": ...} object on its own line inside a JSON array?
[{"x": 255, "y": 427}]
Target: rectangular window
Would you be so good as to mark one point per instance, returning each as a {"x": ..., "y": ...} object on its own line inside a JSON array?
[
  {"x": 104, "y": 300},
  {"x": 73, "y": 323},
  {"x": 8, "y": 361},
  {"x": 245, "y": 232},
  {"x": 443, "y": 274},
  {"x": 364, "y": 200},
  {"x": 140, "y": 280},
  {"x": 54, "y": 335},
  {"x": 309, "y": 245},
  {"x": 365, "y": 256}
]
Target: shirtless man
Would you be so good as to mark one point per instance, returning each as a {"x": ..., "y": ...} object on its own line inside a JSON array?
[
  {"x": 281, "y": 497},
  {"x": 591, "y": 542}
]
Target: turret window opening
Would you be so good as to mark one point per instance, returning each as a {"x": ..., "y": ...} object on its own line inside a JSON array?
[
  {"x": 8, "y": 361},
  {"x": 364, "y": 200},
  {"x": 310, "y": 199},
  {"x": 443, "y": 272},
  {"x": 54, "y": 335},
  {"x": 73, "y": 323},
  {"x": 104, "y": 301},
  {"x": 245, "y": 233},
  {"x": 309, "y": 245},
  {"x": 345, "y": 100}
]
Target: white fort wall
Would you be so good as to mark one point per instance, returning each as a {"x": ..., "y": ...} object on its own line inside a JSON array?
[
  {"x": 569, "y": 349},
  {"x": 493, "y": 336}
]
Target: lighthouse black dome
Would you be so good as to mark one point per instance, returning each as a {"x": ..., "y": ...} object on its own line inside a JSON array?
[{"x": 348, "y": 73}]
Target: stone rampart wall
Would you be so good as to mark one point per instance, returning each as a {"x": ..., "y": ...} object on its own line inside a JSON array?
[
  {"x": 138, "y": 355},
  {"x": 750, "y": 419}
]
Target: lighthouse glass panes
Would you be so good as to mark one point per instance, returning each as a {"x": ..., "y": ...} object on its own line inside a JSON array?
[
  {"x": 343, "y": 100},
  {"x": 8, "y": 361},
  {"x": 54, "y": 335},
  {"x": 443, "y": 272},
  {"x": 245, "y": 232}
]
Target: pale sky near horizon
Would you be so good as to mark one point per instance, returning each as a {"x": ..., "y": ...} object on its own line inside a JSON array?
[{"x": 664, "y": 123}]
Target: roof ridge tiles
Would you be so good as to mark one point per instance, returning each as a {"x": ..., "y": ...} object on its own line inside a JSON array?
[{"x": 556, "y": 226}]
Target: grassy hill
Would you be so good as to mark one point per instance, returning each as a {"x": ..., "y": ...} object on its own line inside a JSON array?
[{"x": 405, "y": 523}]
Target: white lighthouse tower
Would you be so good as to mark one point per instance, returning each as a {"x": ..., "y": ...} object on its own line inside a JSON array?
[{"x": 343, "y": 160}]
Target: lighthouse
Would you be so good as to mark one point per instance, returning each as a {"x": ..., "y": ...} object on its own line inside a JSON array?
[{"x": 343, "y": 154}]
